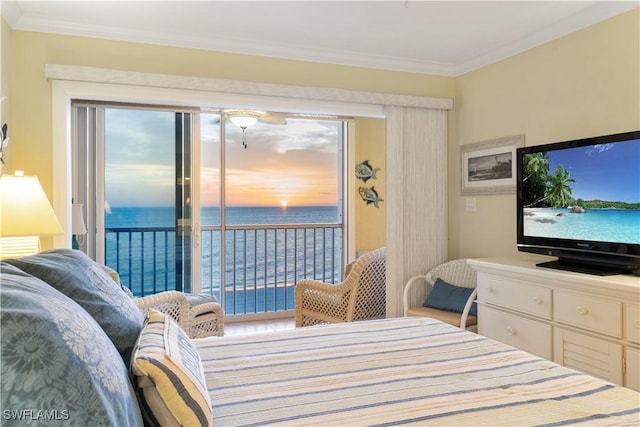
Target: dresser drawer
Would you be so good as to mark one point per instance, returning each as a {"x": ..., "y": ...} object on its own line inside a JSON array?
[
  {"x": 528, "y": 335},
  {"x": 581, "y": 310},
  {"x": 632, "y": 322},
  {"x": 528, "y": 299},
  {"x": 632, "y": 374},
  {"x": 595, "y": 356}
]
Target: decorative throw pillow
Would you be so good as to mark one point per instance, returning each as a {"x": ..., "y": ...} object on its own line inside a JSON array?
[
  {"x": 112, "y": 273},
  {"x": 169, "y": 376},
  {"x": 83, "y": 280},
  {"x": 446, "y": 296},
  {"x": 116, "y": 278},
  {"x": 197, "y": 299},
  {"x": 56, "y": 363}
]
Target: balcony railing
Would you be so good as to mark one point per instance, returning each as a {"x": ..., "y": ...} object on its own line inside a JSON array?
[{"x": 262, "y": 262}]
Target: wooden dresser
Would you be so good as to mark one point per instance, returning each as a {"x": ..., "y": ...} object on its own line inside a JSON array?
[{"x": 588, "y": 323}]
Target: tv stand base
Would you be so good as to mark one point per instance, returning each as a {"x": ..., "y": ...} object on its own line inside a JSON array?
[{"x": 595, "y": 269}]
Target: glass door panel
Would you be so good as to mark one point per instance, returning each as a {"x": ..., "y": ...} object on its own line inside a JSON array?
[
  {"x": 281, "y": 211},
  {"x": 146, "y": 183}
]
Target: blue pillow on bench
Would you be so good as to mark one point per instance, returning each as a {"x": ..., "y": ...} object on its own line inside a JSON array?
[{"x": 446, "y": 296}]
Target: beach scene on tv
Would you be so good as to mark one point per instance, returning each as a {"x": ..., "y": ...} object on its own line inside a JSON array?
[{"x": 587, "y": 193}]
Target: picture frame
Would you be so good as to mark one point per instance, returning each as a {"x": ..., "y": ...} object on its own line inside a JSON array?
[{"x": 489, "y": 167}]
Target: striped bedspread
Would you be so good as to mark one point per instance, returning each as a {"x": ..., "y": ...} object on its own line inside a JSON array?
[{"x": 399, "y": 372}]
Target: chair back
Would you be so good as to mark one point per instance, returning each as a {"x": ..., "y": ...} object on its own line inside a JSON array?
[
  {"x": 369, "y": 299},
  {"x": 457, "y": 272}
]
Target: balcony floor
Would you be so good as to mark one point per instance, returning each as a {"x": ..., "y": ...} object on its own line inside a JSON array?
[{"x": 257, "y": 326}]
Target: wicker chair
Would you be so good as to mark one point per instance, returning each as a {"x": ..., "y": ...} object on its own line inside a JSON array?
[
  {"x": 206, "y": 317},
  {"x": 198, "y": 315},
  {"x": 362, "y": 294},
  {"x": 418, "y": 288}
]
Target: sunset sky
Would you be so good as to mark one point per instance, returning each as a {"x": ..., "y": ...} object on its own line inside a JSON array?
[{"x": 293, "y": 164}]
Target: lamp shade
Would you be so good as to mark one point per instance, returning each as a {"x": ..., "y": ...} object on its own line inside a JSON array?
[{"x": 25, "y": 209}]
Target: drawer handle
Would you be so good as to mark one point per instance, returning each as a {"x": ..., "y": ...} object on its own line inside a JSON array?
[
  {"x": 582, "y": 310},
  {"x": 511, "y": 331},
  {"x": 537, "y": 300}
]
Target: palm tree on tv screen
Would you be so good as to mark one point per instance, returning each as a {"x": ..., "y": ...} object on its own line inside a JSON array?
[
  {"x": 543, "y": 189},
  {"x": 536, "y": 171},
  {"x": 560, "y": 193}
]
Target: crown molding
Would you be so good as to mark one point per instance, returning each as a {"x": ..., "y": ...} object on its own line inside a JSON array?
[
  {"x": 244, "y": 47},
  {"x": 598, "y": 12},
  {"x": 11, "y": 13}
]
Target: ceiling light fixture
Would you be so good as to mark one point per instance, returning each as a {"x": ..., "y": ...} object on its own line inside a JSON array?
[{"x": 243, "y": 119}]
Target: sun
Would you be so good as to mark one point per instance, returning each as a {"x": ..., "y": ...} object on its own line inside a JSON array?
[{"x": 283, "y": 203}]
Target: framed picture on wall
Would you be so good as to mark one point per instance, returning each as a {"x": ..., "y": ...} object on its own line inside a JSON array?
[{"x": 489, "y": 167}]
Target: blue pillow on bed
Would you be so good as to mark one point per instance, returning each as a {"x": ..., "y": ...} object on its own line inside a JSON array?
[
  {"x": 56, "y": 360},
  {"x": 446, "y": 296},
  {"x": 83, "y": 280}
]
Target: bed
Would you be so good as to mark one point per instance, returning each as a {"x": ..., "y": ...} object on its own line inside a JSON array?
[
  {"x": 75, "y": 348},
  {"x": 409, "y": 371}
]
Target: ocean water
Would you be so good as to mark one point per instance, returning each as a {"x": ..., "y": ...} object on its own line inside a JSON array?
[
  {"x": 606, "y": 225},
  {"x": 261, "y": 265},
  {"x": 165, "y": 216}
]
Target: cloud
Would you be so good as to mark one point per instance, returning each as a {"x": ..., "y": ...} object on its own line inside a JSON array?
[
  {"x": 296, "y": 162},
  {"x": 139, "y": 185},
  {"x": 597, "y": 149},
  {"x": 141, "y": 135}
]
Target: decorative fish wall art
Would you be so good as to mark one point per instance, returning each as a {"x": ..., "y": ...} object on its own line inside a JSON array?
[
  {"x": 365, "y": 171},
  {"x": 370, "y": 195}
]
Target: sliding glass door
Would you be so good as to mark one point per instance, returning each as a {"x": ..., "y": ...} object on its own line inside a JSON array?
[{"x": 185, "y": 200}]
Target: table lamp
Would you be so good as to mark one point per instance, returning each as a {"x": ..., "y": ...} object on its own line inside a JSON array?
[{"x": 25, "y": 215}]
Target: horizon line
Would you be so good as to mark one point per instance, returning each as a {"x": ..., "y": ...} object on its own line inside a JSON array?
[{"x": 230, "y": 206}]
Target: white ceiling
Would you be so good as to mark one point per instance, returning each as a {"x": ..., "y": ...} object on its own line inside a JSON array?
[{"x": 446, "y": 38}]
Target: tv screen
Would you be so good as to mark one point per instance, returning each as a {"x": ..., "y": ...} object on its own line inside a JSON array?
[{"x": 580, "y": 201}]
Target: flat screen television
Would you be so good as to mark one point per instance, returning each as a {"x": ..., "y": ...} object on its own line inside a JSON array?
[{"x": 579, "y": 201}]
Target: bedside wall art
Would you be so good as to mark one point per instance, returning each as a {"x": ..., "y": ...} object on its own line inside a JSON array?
[{"x": 3, "y": 136}]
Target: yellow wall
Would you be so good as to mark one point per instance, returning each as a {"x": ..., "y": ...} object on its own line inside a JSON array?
[
  {"x": 31, "y": 93},
  {"x": 370, "y": 221},
  {"x": 31, "y": 100},
  {"x": 584, "y": 84},
  {"x": 581, "y": 85}
]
